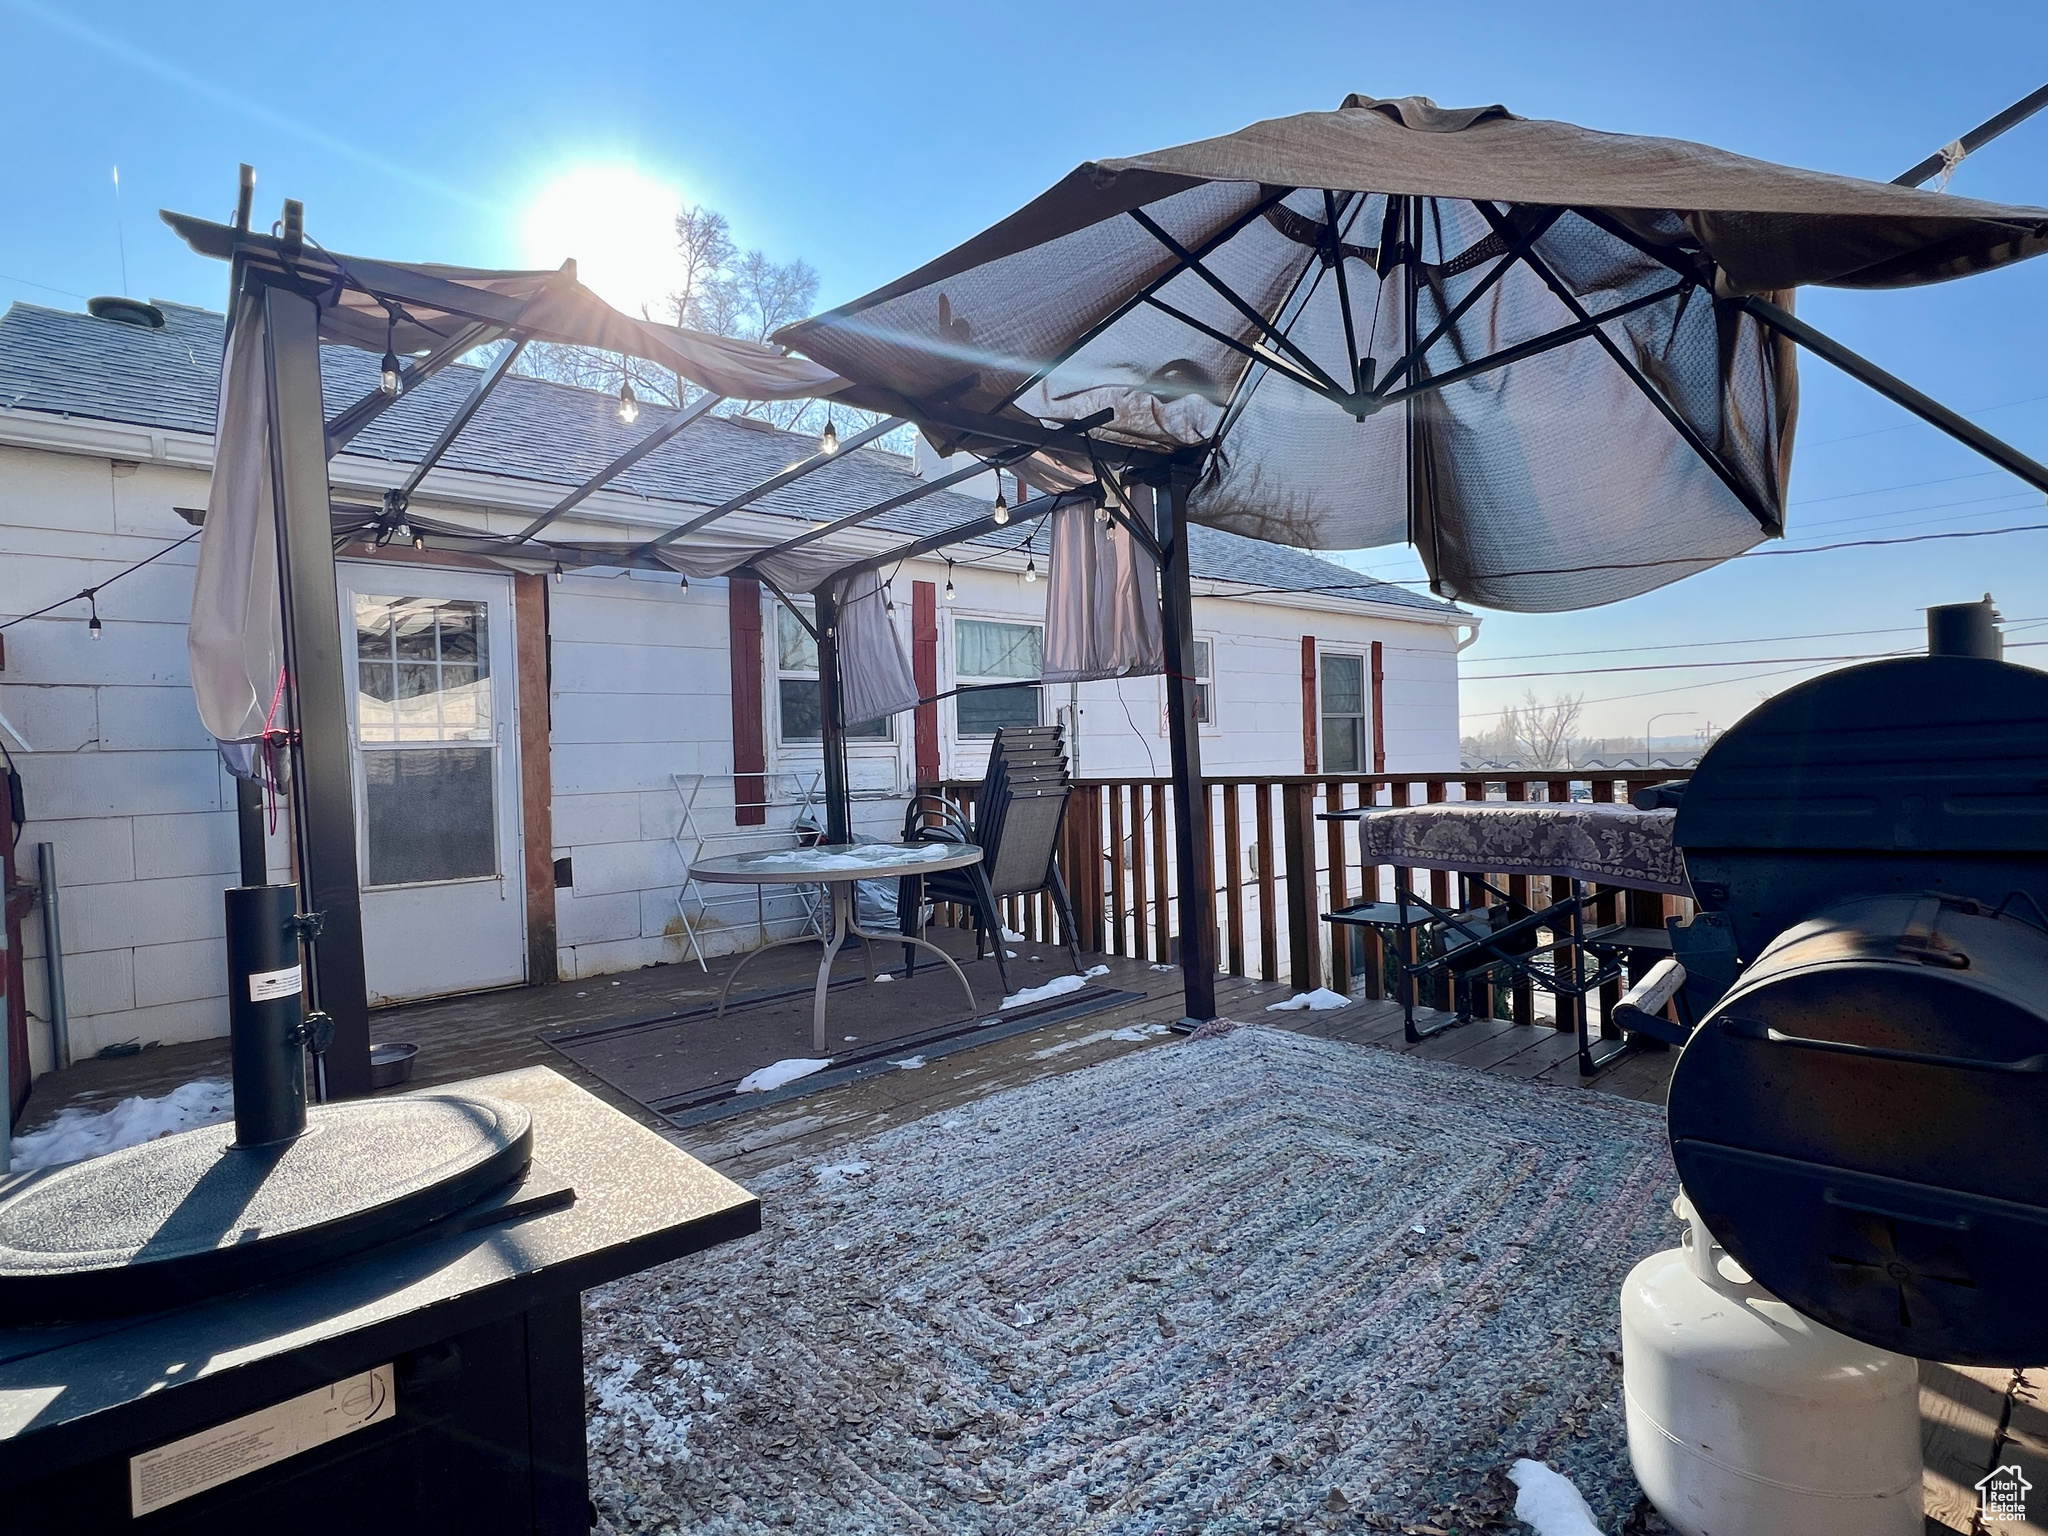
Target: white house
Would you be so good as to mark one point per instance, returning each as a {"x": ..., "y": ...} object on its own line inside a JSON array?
[{"x": 525, "y": 745}]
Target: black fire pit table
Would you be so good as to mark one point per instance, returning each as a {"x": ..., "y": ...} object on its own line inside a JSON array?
[{"x": 433, "y": 1384}]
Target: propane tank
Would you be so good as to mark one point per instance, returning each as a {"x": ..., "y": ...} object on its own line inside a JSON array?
[{"x": 1747, "y": 1419}]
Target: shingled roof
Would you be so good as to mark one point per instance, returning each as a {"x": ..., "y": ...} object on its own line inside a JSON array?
[{"x": 76, "y": 365}]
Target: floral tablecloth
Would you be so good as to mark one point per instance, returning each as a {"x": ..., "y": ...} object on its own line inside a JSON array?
[{"x": 1606, "y": 844}]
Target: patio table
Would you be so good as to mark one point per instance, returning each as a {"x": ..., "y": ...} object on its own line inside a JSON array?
[{"x": 838, "y": 867}]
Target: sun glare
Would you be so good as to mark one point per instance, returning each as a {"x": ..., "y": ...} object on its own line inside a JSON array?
[{"x": 619, "y": 225}]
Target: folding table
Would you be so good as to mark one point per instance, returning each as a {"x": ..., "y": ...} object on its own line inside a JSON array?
[{"x": 1581, "y": 842}]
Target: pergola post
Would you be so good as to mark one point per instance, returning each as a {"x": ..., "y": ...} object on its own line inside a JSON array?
[
  {"x": 322, "y": 778},
  {"x": 832, "y": 723},
  {"x": 1193, "y": 846}
]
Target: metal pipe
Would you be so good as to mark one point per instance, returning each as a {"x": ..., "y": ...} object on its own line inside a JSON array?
[
  {"x": 832, "y": 726},
  {"x": 1195, "y": 858},
  {"x": 266, "y": 1023},
  {"x": 53, "y": 955},
  {"x": 1960, "y": 629}
]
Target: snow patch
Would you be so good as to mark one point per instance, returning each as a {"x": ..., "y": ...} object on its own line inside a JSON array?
[
  {"x": 884, "y": 976},
  {"x": 1138, "y": 1032},
  {"x": 788, "y": 1070},
  {"x": 1319, "y": 1000},
  {"x": 1023, "y": 1315},
  {"x": 1157, "y": 967},
  {"x": 835, "y": 1175},
  {"x": 81, "y": 1133},
  {"x": 1053, "y": 988},
  {"x": 1550, "y": 1502},
  {"x": 1012, "y": 938},
  {"x": 909, "y": 1063}
]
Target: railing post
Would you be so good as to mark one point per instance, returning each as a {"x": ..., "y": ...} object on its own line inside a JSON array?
[
  {"x": 1556, "y": 792},
  {"x": 1233, "y": 876},
  {"x": 1524, "y": 1005},
  {"x": 1304, "y": 935},
  {"x": 1340, "y": 937}
]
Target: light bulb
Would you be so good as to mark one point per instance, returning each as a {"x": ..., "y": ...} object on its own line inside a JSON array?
[
  {"x": 1001, "y": 511},
  {"x": 388, "y": 378},
  {"x": 949, "y": 581},
  {"x": 403, "y": 530},
  {"x": 629, "y": 408},
  {"x": 93, "y": 626},
  {"x": 1030, "y": 571},
  {"x": 419, "y": 541},
  {"x": 828, "y": 440},
  {"x": 686, "y": 583},
  {"x": 558, "y": 573},
  {"x": 1102, "y": 512}
]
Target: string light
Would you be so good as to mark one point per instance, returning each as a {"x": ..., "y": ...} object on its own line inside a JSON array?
[
  {"x": 419, "y": 540},
  {"x": 629, "y": 408},
  {"x": 888, "y": 599},
  {"x": 93, "y": 627},
  {"x": 1030, "y": 570},
  {"x": 388, "y": 379},
  {"x": 1000, "y": 513},
  {"x": 828, "y": 440},
  {"x": 558, "y": 573},
  {"x": 1101, "y": 504},
  {"x": 949, "y": 581},
  {"x": 686, "y": 582}
]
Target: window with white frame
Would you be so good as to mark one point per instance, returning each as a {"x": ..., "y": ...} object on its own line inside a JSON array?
[
  {"x": 1205, "y": 697},
  {"x": 1344, "y": 717},
  {"x": 986, "y": 651},
  {"x": 799, "y": 698}
]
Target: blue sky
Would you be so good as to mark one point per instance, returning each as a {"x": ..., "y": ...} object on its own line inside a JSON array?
[{"x": 867, "y": 139}]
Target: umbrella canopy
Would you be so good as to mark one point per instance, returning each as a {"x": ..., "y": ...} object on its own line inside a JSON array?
[{"x": 1522, "y": 346}]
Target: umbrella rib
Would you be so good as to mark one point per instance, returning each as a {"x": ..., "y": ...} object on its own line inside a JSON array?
[
  {"x": 1267, "y": 357},
  {"x": 1550, "y": 341},
  {"x": 1343, "y": 291},
  {"x": 1230, "y": 296},
  {"x": 1222, "y": 236},
  {"x": 1516, "y": 249},
  {"x": 1766, "y": 519}
]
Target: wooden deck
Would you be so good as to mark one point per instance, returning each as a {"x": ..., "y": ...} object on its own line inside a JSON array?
[
  {"x": 494, "y": 1031},
  {"x": 1974, "y": 1419}
]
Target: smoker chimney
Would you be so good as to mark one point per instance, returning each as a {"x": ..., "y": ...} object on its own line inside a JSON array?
[{"x": 1965, "y": 629}]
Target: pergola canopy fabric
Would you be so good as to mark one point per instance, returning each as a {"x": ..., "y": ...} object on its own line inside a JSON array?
[{"x": 1520, "y": 345}]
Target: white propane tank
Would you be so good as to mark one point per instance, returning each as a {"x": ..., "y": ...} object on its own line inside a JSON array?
[{"x": 1746, "y": 1418}]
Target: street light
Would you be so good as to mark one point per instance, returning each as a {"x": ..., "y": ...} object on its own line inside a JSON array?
[{"x": 1669, "y": 714}]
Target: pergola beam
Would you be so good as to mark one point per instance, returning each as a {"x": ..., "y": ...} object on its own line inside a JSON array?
[
  {"x": 343, "y": 428},
  {"x": 491, "y": 378},
  {"x": 960, "y": 533},
  {"x": 775, "y": 482},
  {"x": 625, "y": 461},
  {"x": 1976, "y": 138}
]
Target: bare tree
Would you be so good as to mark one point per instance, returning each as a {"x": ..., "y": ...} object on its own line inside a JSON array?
[{"x": 1544, "y": 731}]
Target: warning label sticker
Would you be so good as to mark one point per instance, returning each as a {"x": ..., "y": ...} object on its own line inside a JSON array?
[
  {"x": 269, "y": 986},
  {"x": 227, "y": 1451}
]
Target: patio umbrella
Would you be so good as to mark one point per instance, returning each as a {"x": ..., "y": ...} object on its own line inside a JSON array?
[{"x": 1558, "y": 362}]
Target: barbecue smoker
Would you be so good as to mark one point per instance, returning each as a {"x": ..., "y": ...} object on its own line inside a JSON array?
[{"x": 1862, "y": 1118}]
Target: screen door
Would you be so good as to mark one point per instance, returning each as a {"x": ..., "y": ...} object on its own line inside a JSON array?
[{"x": 436, "y": 779}]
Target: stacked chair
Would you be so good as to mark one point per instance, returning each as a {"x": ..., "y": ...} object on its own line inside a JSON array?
[{"x": 1016, "y": 822}]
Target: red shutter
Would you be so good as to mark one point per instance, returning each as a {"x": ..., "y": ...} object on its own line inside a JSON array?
[
  {"x": 749, "y": 750},
  {"x": 1308, "y": 703},
  {"x": 1379, "y": 713}
]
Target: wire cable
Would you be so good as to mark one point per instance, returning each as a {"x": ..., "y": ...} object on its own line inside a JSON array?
[{"x": 88, "y": 593}]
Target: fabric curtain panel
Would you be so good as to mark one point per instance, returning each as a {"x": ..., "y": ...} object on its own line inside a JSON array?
[
  {"x": 1101, "y": 602},
  {"x": 236, "y": 638},
  {"x": 875, "y": 679}
]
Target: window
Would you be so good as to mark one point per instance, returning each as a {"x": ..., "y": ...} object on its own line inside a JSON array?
[
  {"x": 423, "y": 696},
  {"x": 1204, "y": 679},
  {"x": 1343, "y": 686},
  {"x": 983, "y": 652},
  {"x": 799, "y": 697}
]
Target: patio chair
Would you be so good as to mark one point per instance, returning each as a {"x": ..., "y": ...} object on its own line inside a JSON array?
[{"x": 1016, "y": 822}]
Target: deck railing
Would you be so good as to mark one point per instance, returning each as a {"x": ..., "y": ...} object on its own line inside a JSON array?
[{"x": 1279, "y": 869}]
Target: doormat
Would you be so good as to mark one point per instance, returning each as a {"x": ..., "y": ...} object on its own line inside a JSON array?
[
  {"x": 1252, "y": 1282},
  {"x": 677, "y": 1067}
]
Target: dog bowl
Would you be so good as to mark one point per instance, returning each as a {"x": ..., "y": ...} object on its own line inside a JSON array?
[{"x": 391, "y": 1063}]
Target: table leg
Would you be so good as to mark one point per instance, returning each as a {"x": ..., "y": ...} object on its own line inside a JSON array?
[
  {"x": 906, "y": 941},
  {"x": 747, "y": 959},
  {"x": 838, "y": 923}
]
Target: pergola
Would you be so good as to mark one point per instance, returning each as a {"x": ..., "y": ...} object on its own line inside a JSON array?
[
  {"x": 266, "y": 605},
  {"x": 1149, "y": 337}
]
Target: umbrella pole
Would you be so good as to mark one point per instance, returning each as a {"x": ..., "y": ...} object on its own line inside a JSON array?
[
  {"x": 322, "y": 787},
  {"x": 1193, "y": 846},
  {"x": 832, "y": 723}
]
